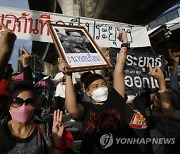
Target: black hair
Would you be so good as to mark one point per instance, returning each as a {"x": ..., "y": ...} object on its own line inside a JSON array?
[
  {"x": 91, "y": 78},
  {"x": 68, "y": 31},
  {"x": 20, "y": 86},
  {"x": 84, "y": 76}
]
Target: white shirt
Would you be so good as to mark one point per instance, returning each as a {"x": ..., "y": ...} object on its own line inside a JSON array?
[{"x": 60, "y": 88}]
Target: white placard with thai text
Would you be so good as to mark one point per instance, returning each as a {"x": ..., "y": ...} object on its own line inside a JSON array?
[{"x": 32, "y": 25}]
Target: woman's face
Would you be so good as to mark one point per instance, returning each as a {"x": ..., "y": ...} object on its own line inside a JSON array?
[
  {"x": 22, "y": 106},
  {"x": 23, "y": 97}
]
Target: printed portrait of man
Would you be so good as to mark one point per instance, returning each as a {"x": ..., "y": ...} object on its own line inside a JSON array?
[{"x": 75, "y": 41}]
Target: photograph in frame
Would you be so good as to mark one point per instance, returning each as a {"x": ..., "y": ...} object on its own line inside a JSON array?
[{"x": 78, "y": 48}]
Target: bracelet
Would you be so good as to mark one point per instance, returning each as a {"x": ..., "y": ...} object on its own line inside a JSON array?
[
  {"x": 162, "y": 91},
  {"x": 127, "y": 45}
]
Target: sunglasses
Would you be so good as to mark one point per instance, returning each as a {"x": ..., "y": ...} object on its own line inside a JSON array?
[{"x": 17, "y": 102}]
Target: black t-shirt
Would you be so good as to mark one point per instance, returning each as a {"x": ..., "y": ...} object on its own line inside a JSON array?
[
  {"x": 104, "y": 124},
  {"x": 141, "y": 131}
]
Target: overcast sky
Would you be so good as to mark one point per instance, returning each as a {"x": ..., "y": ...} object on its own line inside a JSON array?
[{"x": 17, "y": 4}]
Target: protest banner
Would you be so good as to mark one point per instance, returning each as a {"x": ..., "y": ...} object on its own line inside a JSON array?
[
  {"x": 32, "y": 25},
  {"x": 136, "y": 71}
]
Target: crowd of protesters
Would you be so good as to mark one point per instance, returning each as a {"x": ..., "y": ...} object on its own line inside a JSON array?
[
  {"x": 32, "y": 120},
  {"x": 19, "y": 131}
]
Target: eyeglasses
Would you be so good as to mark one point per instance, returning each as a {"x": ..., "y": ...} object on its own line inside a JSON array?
[{"x": 17, "y": 102}]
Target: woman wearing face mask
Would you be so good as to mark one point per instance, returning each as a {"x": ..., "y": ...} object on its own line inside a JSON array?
[
  {"x": 102, "y": 118},
  {"x": 20, "y": 134}
]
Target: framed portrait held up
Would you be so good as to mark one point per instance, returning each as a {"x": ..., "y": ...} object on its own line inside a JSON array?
[{"x": 77, "y": 47}]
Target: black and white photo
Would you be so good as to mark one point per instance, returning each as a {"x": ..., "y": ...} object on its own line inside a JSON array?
[{"x": 78, "y": 48}]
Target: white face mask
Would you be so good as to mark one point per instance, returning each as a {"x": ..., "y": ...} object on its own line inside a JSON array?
[{"x": 100, "y": 94}]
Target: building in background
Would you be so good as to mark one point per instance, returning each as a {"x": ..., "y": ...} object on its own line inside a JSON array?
[
  {"x": 133, "y": 12},
  {"x": 170, "y": 14},
  {"x": 164, "y": 33},
  {"x": 70, "y": 7}
]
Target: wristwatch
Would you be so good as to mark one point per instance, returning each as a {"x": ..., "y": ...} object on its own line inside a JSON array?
[{"x": 127, "y": 45}]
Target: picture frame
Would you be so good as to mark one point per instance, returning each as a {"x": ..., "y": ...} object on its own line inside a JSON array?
[{"x": 77, "y": 47}]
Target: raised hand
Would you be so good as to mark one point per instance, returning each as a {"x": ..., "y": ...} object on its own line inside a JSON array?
[
  {"x": 156, "y": 72},
  {"x": 26, "y": 58},
  {"x": 58, "y": 127},
  {"x": 123, "y": 52},
  {"x": 175, "y": 56},
  {"x": 7, "y": 40},
  {"x": 62, "y": 64},
  {"x": 122, "y": 36},
  {"x": 106, "y": 54}
]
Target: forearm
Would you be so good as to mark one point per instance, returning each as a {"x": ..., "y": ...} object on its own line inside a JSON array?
[
  {"x": 166, "y": 105},
  {"x": 162, "y": 84},
  {"x": 171, "y": 113},
  {"x": 70, "y": 99},
  {"x": 27, "y": 73},
  {"x": 118, "y": 82},
  {"x": 121, "y": 60},
  {"x": 164, "y": 98},
  {"x": 165, "y": 101},
  {"x": 168, "y": 110},
  {"x": 175, "y": 68},
  {"x": 5, "y": 55}
]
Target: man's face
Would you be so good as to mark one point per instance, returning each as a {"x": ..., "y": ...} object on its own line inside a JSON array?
[
  {"x": 95, "y": 85},
  {"x": 75, "y": 37}
]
